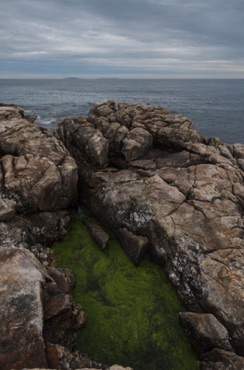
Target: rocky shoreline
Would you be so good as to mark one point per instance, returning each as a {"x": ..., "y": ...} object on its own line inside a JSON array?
[{"x": 169, "y": 194}]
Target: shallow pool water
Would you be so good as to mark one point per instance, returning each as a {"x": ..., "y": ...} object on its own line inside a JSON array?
[{"x": 132, "y": 311}]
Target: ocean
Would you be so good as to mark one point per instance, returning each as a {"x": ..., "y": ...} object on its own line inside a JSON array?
[{"x": 215, "y": 106}]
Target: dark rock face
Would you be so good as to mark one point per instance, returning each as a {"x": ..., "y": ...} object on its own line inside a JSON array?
[{"x": 170, "y": 194}]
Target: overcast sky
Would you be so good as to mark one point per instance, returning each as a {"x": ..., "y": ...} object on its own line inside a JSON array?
[{"x": 122, "y": 38}]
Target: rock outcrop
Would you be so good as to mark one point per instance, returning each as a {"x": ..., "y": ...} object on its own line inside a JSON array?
[
  {"x": 38, "y": 182},
  {"x": 174, "y": 196},
  {"x": 169, "y": 194},
  {"x": 37, "y": 173}
]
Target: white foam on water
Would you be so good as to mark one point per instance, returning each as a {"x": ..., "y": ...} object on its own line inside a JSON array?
[{"x": 45, "y": 121}]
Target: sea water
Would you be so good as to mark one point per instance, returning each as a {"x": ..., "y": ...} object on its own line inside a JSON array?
[{"x": 215, "y": 106}]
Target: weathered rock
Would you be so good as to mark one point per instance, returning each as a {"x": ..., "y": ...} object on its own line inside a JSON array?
[
  {"x": 36, "y": 171},
  {"x": 35, "y": 232},
  {"x": 88, "y": 141},
  {"x": 184, "y": 194},
  {"x": 221, "y": 360},
  {"x": 7, "y": 209},
  {"x": 38, "y": 181},
  {"x": 21, "y": 310},
  {"x": 62, "y": 318},
  {"x": 97, "y": 233},
  {"x": 136, "y": 143},
  {"x": 205, "y": 331}
]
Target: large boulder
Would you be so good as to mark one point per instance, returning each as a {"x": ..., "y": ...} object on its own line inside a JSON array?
[
  {"x": 36, "y": 171},
  {"x": 178, "y": 191}
]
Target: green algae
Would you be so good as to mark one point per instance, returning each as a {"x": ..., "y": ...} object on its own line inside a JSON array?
[{"x": 132, "y": 311}]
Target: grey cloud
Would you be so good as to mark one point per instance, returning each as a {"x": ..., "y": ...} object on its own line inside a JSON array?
[{"x": 147, "y": 35}]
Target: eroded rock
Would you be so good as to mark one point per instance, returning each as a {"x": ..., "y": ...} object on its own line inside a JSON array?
[{"x": 36, "y": 171}]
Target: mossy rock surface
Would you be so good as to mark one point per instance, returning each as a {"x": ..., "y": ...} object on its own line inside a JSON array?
[{"x": 132, "y": 311}]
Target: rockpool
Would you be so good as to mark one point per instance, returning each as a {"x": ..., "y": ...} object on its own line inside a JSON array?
[{"x": 132, "y": 311}]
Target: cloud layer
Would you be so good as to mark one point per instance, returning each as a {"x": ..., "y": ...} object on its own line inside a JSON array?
[{"x": 129, "y": 38}]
